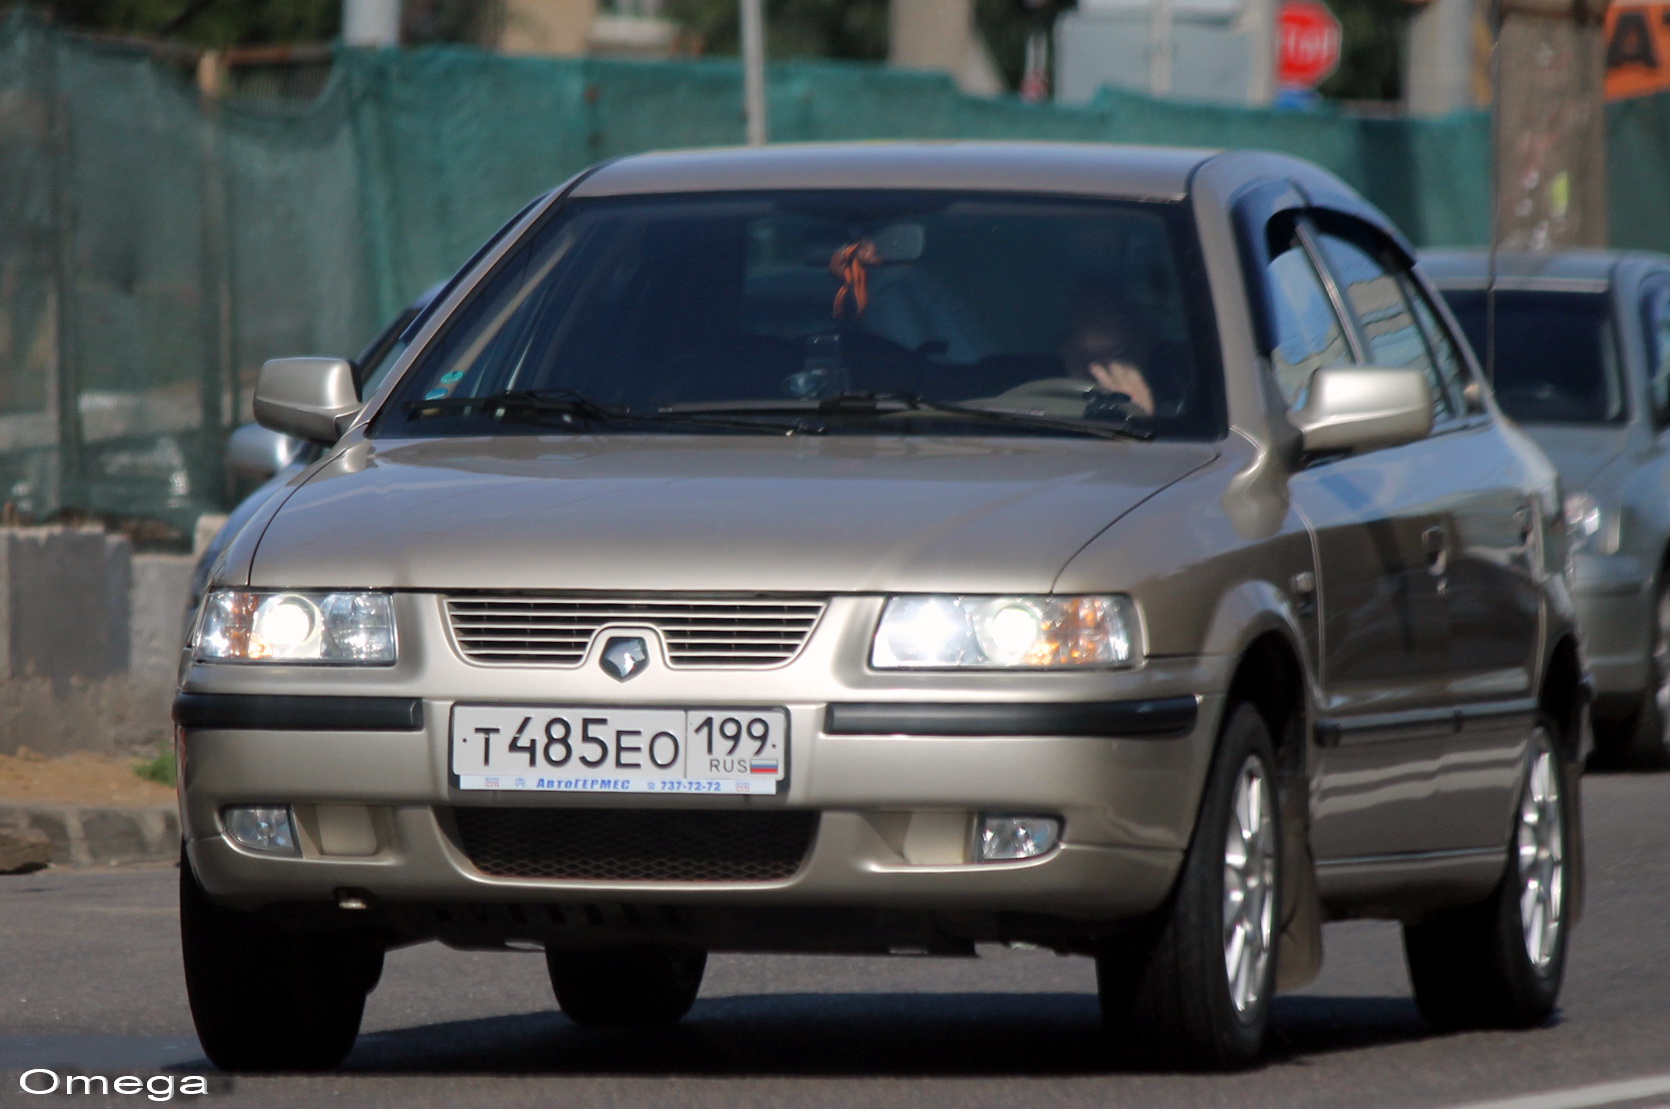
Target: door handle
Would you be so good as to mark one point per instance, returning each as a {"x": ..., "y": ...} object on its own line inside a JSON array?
[{"x": 1435, "y": 541}]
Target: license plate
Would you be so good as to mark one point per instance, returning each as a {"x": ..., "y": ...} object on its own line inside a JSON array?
[{"x": 613, "y": 750}]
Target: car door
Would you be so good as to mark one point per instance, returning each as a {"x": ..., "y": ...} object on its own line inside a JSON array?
[
  {"x": 1478, "y": 536},
  {"x": 1382, "y": 618}
]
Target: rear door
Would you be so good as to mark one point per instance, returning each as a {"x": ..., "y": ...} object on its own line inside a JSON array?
[{"x": 1493, "y": 531}]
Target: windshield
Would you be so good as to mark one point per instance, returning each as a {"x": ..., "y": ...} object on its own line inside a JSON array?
[
  {"x": 1555, "y": 361},
  {"x": 751, "y": 313}
]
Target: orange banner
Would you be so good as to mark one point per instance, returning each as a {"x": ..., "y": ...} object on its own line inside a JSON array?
[{"x": 1637, "y": 49}]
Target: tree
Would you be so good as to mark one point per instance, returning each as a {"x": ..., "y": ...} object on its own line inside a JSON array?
[
  {"x": 1374, "y": 38},
  {"x": 223, "y": 23}
]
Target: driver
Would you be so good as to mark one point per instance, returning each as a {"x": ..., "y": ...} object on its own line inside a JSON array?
[{"x": 1108, "y": 343}]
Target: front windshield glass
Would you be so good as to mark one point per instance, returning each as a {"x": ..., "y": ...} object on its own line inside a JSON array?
[
  {"x": 838, "y": 312},
  {"x": 1555, "y": 360}
]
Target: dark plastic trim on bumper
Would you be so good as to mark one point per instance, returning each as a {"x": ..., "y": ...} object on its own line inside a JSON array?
[
  {"x": 1165, "y": 716},
  {"x": 298, "y": 714}
]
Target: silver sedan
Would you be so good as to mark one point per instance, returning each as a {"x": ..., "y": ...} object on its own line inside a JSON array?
[
  {"x": 896, "y": 548},
  {"x": 1582, "y": 363}
]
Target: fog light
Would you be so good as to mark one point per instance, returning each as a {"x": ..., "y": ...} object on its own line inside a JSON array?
[
  {"x": 262, "y": 828},
  {"x": 1017, "y": 837}
]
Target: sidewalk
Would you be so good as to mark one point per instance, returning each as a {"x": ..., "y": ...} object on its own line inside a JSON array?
[{"x": 82, "y": 810}]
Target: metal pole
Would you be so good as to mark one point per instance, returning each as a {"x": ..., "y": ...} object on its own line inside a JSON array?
[
  {"x": 753, "y": 70},
  {"x": 1260, "y": 16},
  {"x": 1495, "y": 16},
  {"x": 1159, "y": 49}
]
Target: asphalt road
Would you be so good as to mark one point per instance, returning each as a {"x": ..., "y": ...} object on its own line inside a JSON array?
[{"x": 90, "y": 984}]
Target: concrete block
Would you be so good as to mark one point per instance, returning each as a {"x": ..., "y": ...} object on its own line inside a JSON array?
[
  {"x": 112, "y": 836},
  {"x": 156, "y": 624},
  {"x": 90, "y": 635},
  {"x": 79, "y": 836},
  {"x": 68, "y": 609}
]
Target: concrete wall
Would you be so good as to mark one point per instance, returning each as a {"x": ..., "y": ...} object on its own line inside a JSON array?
[{"x": 89, "y": 640}]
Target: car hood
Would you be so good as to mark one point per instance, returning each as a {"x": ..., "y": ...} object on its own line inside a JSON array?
[
  {"x": 1579, "y": 451},
  {"x": 721, "y": 513}
]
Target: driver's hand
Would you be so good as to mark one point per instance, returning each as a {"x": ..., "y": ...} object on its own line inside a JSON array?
[{"x": 1122, "y": 377}]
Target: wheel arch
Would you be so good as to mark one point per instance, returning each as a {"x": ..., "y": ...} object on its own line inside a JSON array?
[
  {"x": 1270, "y": 675},
  {"x": 1564, "y": 694},
  {"x": 1255, "y": 624}
]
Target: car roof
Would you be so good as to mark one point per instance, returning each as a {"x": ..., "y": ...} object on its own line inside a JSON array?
[
  {"x": 1084, "y": 169},
  {"x": 1573, "y": 270}
]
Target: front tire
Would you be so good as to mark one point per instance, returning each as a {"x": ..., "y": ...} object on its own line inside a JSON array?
[
  {"x": 1643, "y": 740},
  {"x": 1499, "y": 964},
  {"x": 264, "y": 999},
  {"x": 635, "y": 987},
  {"x": 1194, "y": 992}
]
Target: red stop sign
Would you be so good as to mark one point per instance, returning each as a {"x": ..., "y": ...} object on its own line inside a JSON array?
[{"x": 1309, "y": 44}]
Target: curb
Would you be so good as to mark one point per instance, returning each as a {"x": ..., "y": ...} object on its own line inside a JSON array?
[{"x": 86, "y": 836}]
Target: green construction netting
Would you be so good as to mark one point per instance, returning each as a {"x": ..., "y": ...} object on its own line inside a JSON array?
[{"x": 156, "y": 247}]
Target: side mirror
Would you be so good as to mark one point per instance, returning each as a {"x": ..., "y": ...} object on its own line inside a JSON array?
[
  {"x": 256, "y": 454},
  {"x": 310, "y": 398},
  {"x": 1360, "y": 408}
]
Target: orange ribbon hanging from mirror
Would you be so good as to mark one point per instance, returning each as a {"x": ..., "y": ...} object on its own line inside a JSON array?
[{"x": 848, "y": 263}]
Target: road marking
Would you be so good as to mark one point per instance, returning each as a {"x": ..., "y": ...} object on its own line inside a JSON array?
[{"x": 1582, "y": 1097}]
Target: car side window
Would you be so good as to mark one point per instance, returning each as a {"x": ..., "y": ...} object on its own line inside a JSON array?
[
  {"x": 1655, "y": 320},
  {"x": 1378, "y": 297},
  {"x": 1309, "y": 336}
]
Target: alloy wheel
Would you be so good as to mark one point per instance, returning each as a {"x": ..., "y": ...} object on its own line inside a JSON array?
[
  {"x": 1541, "y": 861},
  {"x": 1249, "y": 887}
]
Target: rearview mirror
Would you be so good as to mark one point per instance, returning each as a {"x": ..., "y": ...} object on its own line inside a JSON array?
[
  {"x": 311, "y": 398},
  {"x": 899, "y": 242},
  {"x": 1359, "y": 408},
  {"x": 255, "y": 453}
]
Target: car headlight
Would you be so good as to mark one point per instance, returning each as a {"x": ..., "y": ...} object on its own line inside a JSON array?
[
  {"x": 943, "y": 632},
  {"x": 335, "y": 628},
  {"x": 1593, "y": 527}
]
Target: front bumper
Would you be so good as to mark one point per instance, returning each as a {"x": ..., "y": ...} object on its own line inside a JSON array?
[
  {"x": 1612, "y": 597},
  {"x": 374, "y": 796}
]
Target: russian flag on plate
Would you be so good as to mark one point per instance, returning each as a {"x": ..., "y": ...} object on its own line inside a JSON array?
[{"x": 763, "y": 766}]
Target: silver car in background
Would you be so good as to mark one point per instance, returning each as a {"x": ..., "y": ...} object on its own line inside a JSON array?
[
  {"x": 1582, "y": 363},
  {"x": 896, "y": 548}
]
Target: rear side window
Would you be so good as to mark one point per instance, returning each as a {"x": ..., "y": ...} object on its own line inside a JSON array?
[
  {"x": 1309, "y": 336},
  {"x": 1379, "y": 298},
  {"x": 1555, "y": 360},
  {"x": 1452, "y": 367}
]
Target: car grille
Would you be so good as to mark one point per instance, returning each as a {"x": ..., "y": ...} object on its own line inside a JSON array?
[
  {"x": 706, "y": 632},
  {"x": 636, "y": 845}
]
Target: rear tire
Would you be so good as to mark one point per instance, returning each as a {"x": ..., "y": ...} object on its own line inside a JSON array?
[
  {"x": 634, "y": 987},
  {"x": 270, "y": 1000},
  {"x": 1499, "y": 963},
  {"x": 1192, "y": 988}
]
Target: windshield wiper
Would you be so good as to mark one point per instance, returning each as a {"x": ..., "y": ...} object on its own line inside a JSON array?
[
  {"x": 555, "y": 402},
  {"x": 566, "y": 404},
  {"x": 885, "y": 404}
]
